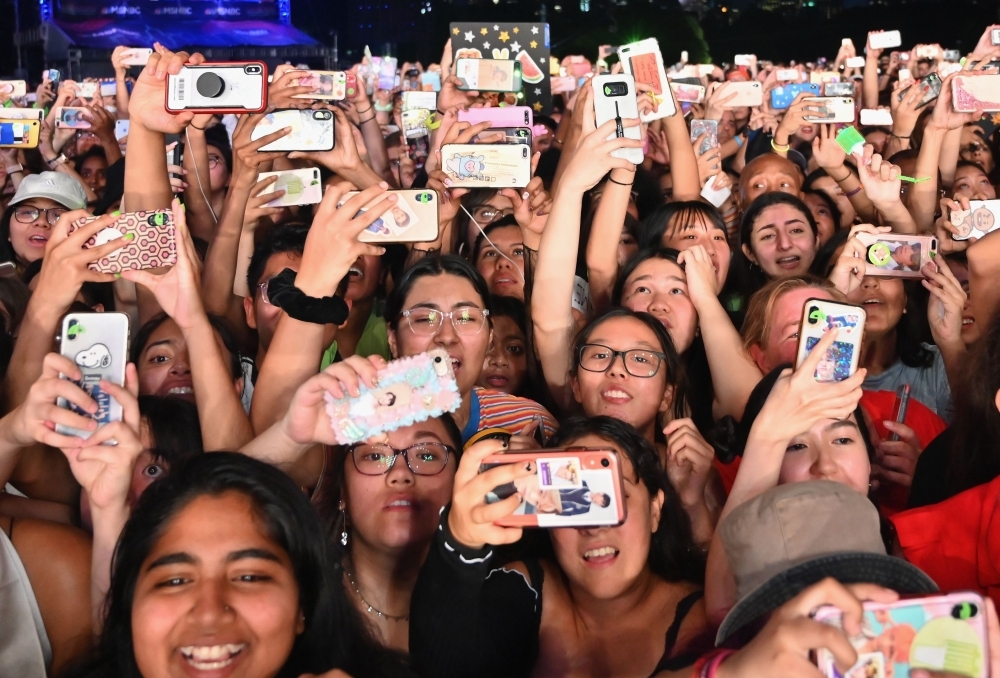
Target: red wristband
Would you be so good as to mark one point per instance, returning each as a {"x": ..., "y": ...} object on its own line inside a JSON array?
[{"x": 707, "y": 665}]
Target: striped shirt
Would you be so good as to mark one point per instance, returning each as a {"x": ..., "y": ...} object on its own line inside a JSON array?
[{"x": 496, "y": 409}]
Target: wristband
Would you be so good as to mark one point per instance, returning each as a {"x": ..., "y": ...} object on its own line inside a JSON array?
[
  {"x": 854, "y": 192},
  {"x": 709, "y": 664},
  {"x": 844, "y": 179},
  {"x": 780, "y": 148},
  {"x": 620, "y": 183},
  {"x": 15, "y": 169},
  {"x": 362, "y": 122},
  {"x": 383, "y": 109},
  {"x": 360, "y": 113},
  {"x": 282, "y": 292}
]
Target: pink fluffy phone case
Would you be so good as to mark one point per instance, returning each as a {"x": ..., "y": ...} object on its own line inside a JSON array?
[
  {"x": 409, "y": 390},
  {"x": 154, "y": 244}
]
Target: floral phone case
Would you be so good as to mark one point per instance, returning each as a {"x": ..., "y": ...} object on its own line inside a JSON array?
[
  {"x": 409, "y": 390},
  {"x": 939, "y": 633},
  {"x": 154, "y": 242}
]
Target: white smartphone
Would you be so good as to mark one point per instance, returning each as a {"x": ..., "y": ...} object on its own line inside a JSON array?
[
  {"x": 416, "y": 100},
  {"x": 98, "y": 344},
  {"x": 614, "y": 97},
  {"x": 13, "y": 88},
  {"x": 885, "y": 40},
  {"x": 819, "y": 316},
  {"x": 86, "y": 90},
  {"x": 312, "y": 130},
  {"x": 873, "y": 116},
  {"x": 301, "y": 187},
  {"x": 137, "y": 56},
  {"x": 855, "y": 62},
  {"x": 109, "y": 89},
  {"x": 644, "y": 62},
  {"x": 747, "y": 94},
  {"x": 494, "y": 166},
  {"x": 982, "y": 217},
  {"x": 13, "y": 113},
  {"x": 121, "y": 129},
  {"x": 743, "y": 59},
  {"x": 218, "y": 88},
  {"x": 413, "y": 218},
  {"x": 787, "y": 75},
  {"x": 835, "y": 109}
]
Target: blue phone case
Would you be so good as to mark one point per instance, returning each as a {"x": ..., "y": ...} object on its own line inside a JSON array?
[{"x": 783, "y": 96}]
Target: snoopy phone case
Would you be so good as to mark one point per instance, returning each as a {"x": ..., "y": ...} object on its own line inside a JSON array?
[
  {"x": 98, "y": 344},
  {"x": 153, "y": 241},
  {"x": 487, "y": 165},
  {"x": 408, "y": 391}
]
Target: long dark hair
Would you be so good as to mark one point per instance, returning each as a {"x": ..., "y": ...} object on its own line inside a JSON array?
[
  {"x": 672, "y": 551},
  {"x": 432, "y": 266},
  {"x": 754, "y": 276},
  {"x": 334, "y": 636},
  {"x": 218, "y": 323},
  {"x": 657, "y": 224}
]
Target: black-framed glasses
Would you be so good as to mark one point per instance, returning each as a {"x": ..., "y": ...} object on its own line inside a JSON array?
[
  {"x": 28, "y": 214},
  {"x": 638, "y": 362},
  {"x": 428, "y": 321},
  {"x": 487, "y": 214},
  {"x": 424, "y": 459}
]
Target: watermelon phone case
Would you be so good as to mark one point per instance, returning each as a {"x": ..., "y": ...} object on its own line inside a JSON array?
[
  {"x": 408, "y": 391},
  {"x": 154, "y": 241}
]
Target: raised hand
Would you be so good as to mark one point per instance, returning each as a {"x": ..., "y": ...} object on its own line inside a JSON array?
[
  {"x": 944, "y": 308},
  {"x": 65, "y": 266},
  {"x": 345, "y": 156},
  {"x": 879, "y": 178},
  {"x": 849, "y": 269},
  {"x": 689, "y": 461},
  {"x": 828, "y": 153},
  {"x": 145, "y": 106}
]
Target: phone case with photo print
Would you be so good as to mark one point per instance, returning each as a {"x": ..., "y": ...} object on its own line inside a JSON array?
[
  {"x": 897, "y": 256},
  {"x": 819, "y": 316},
  {"x": 511, "y": 135},
  {"x": 487, "y": 165},
  {"x": 410, "y": 390},
  {"x": 982, "y": 217},
  {"x": 153, "y": 244},
  {"x": 70, "y": 117},
  {"x": 691, "y": 94},
  {"x": 414, "y": 217},
  {"x": 489, "y": 75},
  {"x": 329, "y": 85},
  {"x": 98, "y": 344},
  {"x": 747, "y": 94},
  {"x": 301, "y": 187},
  {"x": 838, "y": 89},
  {"x": 835, "y": 109},
  {"x": 312, "y": 130},
  {"x": 19, "y": 133},
  {"x": 507, "y": 116},
  {"x": 581, "y": 487},
  {"x": 644, "y": 62},
  {"x": 971, "y": 93}
]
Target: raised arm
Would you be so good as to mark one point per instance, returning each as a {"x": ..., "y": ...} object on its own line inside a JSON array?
[
  {"x": 880, "y": 179},
  {"x": 121, "y": 86},
  {"x": 869, "y": 82}
]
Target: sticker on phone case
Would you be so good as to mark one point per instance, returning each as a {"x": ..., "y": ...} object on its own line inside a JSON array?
[
  {"x": 297, "y": 191},
  {"x": 394, "y": 221},
  {"x": 591, "y": 502},
  {"x": 646, "y": 71},
  {"x": 325, "y": 85},
  {"x": 895, "y": 256},
  {"x": 836, "y": 364},
  {"x": 559, "y": 473}
]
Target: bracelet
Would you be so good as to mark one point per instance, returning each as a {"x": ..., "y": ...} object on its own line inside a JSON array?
[
  {"x": 620, "y": 183},
  {"x": 15, "y": 169},
  {"x": 200, "y": 129},
  {"x": 900, "y": 137},
  {"x": 557, "y": 142},
  {"x": 360, "y": 113},
  {"x": 361, "y": 122},
  {"x": 283, "y": 293},
  {"x": 383, "y": 109},
  {"x": 854, "y": 192},
  {"x": 709, "y": 664},
  {"x": 780, "y": 148},
  {"x": 848, "y": 176}
]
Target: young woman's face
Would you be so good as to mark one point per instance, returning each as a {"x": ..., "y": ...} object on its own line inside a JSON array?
[
  {"x": 501, "y": 205},
  {"x": 219, "y": 174},
  {"x": 615, "y": 392},
  {"x": 975, "y": 149},
  {"x": 832, "y": 449},
  {"x": 970, "y": 333},
  {"x": 823, "y": 216},
  {"x": 699, "y": 231},
  {"x": 164, "y": 365},
  {"x": 833, "y": 189},
  {"x": 216, "y": 595},
  {"x": 93, "y": 172},
  {"x": 400, "y": 509},
  {"x": 606, "y": 562},
  {"x": 884, "y": 300},
  {"x": 973, "y": 184},
  {"x": 507, "y": 360},
  {"x": 781, "y": 242},
  {"x": 28, "y": 239},
  {"x": 627, "y": 246},
  {"x": 364, "y": 278},
  {"x": 782, "y": 340},
  {"x": 659, "y": 287},
  {"x": 503, "y": 276},
  {"x": 445, "y": 293}
]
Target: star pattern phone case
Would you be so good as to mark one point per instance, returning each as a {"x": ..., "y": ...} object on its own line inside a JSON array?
[
  {"x": 409, "y": 390},
  {"x": 154, "y": 242}
]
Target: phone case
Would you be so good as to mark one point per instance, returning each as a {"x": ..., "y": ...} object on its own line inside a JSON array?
[
  {"x": 820, "y": 316},
  {"x": 898, "y": 256},
  {"x": 86, "y": 90},
  {"x": 98, "y": 344},
  {"x": 13, "y": 88},
  {"x": 855, "y": 62},
  {"x": 885, "y": 39},
  {"x": 743, "y": 59},
  {"x": 571, "y": 488},
  {"x": 692, "y": 94},
  {"x": 783, "y": 95},
  {"x": 982, "y": 217},
  {"x": 614, "y": 96},
  {"x": 330, "y": 85},
  {"x": 507, "y": 116},
  {"x": 72, "y": 118},
  {"x": 511, "y": 135},
  {"x": 971, "y": 93},
  {"x": 419, "y": 100},
  {"x": 836, "y": 109},
  {"x": 121, "y": 129},
  {"x": 487, "y": 165},
  {"x": 301, "y": 187},
  {"x": 872, "y": 116},
  {"x": 787, "y": 74},
  {"x": 13, "y": 113},
  {"x": 220, "y": 87},
  {"x": 838, "y": 89},
  {"x": 154, "y": 241},
  {"x": 747, "y": 94},
  {"x": 431, "y": 81},
  {"x": 19, "y": 133},
  {"x": 312, "y": 130},
  {"x": 414, "y": 123},
  {"x": 710, "y": 128},
  {"x": 413, "y": 219},
  {"x": 138, "y": 56},
  {"x": 644, "y": 62},
  {"x": 939, "y": 633},
  {"x": 933, "y": 81},
  {"x": 387, "y": 73},
  {"x": 409, "y": 390},
  {"x": 489, "y": 75},
  {"x": 820, "y": 77}
]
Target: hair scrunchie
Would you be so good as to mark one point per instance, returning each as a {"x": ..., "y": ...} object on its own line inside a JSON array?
[{"x": 282, "y": 292}]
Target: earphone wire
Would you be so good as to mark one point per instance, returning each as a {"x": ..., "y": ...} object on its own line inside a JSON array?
[
  {"x": 197, "y": 174},
  {"x": 473, "y": 220}
]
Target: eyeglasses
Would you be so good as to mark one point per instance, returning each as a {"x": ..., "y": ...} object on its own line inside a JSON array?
[
  {"x": 263, "y": 292},
  {"x": 638, "y": 362},
  {"x": 26, "y": 215},
  {"x": 82, "y": 134},
  {"x": 427, "y": 321},
  {"x": 213, "y": 161},
  {"x": 487, "y": 214},
  {"x": 424, "y": 459},
  {"x": 973, "y": 147}
]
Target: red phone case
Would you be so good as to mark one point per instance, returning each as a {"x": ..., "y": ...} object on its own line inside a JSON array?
[
  {"x": 155, "y": 242},
  {"x": 222, "y": 111}
]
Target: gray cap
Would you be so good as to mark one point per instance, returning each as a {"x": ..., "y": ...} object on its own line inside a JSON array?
[{"x": 61, "y": 188}]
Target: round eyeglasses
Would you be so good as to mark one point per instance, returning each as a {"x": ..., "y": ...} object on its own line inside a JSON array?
[
  {"x": 427, "y": 321},
  {"x": 487, "y": 214},
  {"x": 638, "y": 362},
  {"x": 424, "y": 459},
  {"x": 28, "y": 214}
]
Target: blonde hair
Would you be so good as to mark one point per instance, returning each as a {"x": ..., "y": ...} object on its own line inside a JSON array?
[{"x": 758, "y": 323}]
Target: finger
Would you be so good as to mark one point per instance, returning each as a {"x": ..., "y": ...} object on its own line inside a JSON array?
[
  {"x": 818, "y": 352},
  {"x": 55, "y": 365},
  {"x": 490, "y": 513},
  {"x": 472, "y": 458}
]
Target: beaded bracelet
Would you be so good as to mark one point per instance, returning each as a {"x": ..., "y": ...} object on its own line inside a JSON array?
[{"x": 780, "y": 148}]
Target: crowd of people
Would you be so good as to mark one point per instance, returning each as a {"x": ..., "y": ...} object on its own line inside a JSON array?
[{"x": 219, "y": 528}]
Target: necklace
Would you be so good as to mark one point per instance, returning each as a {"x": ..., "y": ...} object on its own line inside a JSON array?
[{"x": 371, "y": 608}]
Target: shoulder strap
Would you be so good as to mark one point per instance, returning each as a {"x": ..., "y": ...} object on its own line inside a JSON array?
[{"x": 680, "y": 612}]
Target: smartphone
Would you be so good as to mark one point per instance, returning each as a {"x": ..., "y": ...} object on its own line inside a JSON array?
[
  {"x": 933, "y": 82},
  {"x": 218, "y": 88},
  {"x": 387, "y": 77},
  {"x": 855, "y": 62},
  {"x": 744, "y": 59},
  {"x": 579, "y": 487},
  {"x": 507, "y": 116},
  {"x": 900, "y": 406},
  {"x": 838, "y": 89},
  {"x": 410, "y": 390},
  {"x": 301, "y": 187},
  {"x": 418, "y": 148},
  {"x": 13, "y": 113},
  {"x": 430, "y": 81},
  {"x": 505, "y": 135},
  {"x": 644, "y": 62},
  {"x": 19, "y": 133},
  {"x": 10, "y": 89},
  {"x": 995, "y": 36},
  {"x": 945, "y": 632},
  {"x": 782, "y": 96},
  {"x": 98, "y": 344},
  {"x": 137, "y": 56},
  {"x": 710, "y": 128},
  {"x": 747, "y": 94},
  {"x": 835, "y": 109},
  {"x": 905, "y": 75},
  {"x": 982, "y": 217},
  {"x": 487, "y": 165},
  {"x": 414, "y": 99},
  {"x": 897, "y": 256},
  {"x": 415, "y": 121},
  {"x": 489, "y": 75},
  {"x": 121, "y": 129},
  {"x": 414, "y": 218},
  {"x": 329, "y": 85},
  {"x": 884, "y": 39},
  {"x": 787, "y": 74},
  {"x": 952, "y": 55},
  {"x": 820, "y": 316},
  {"x": 109, "y": 89},
  {"x": 312, "y": 130},
  {"x": 971, "y": 93},
  {"x": 8, "y": 269},
  {"x": 614, "y": 98},
  {"x": 153, "y": 244},
  {"x": 881, "y": 117},
  {"x": 692, "y": 94},
  {"x": 72, "y": 117},
  {"x": 86, "y": 90}
]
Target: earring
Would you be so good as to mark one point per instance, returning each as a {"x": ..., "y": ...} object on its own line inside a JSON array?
[{"x": 343, "y": 525}]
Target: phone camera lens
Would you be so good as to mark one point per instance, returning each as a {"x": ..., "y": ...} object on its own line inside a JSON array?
[
  {"x": 605, "y": 463},
  {"x": 210, "y": 85},
  {"x": 437, "y": 359},
  {"x": 252, "y": 70},
  {"x": 965, "y": 611},
  {"x": 812, "y": 315}
]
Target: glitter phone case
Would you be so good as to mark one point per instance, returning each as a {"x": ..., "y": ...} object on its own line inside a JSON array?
[
  {"x": 409, "y": 390},
  {"x": 971, "y": 93},
  {"x": 939, "y": 633},
  {"x": 819, "y": 316},
  {"x": 153, "y": 245}
]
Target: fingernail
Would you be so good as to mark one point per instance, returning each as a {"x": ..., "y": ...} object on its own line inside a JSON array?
[
  {"x": 118, "y": 275},
  {"x": 527, "y": 467},
  {"x": 525, "y": 195},
  {"x": 116, "y": 213},
  {"x": 383, "y": 184},
  {"x": 449, "y": 183},
  {"x": 130, "y": 236}
]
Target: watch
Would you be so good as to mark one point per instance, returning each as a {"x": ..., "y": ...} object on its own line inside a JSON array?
[{"x": 14, "y": 169}]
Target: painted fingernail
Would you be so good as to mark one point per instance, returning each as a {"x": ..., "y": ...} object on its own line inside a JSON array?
[
  {"x": 116, "y": 213},
  {"x": 525, "y": 195},
  {"x": 130, "y": 236},
  {"x": 449, "y": 183},
  {"x": 118, "y": 275},
  {"x": 527, "y": 467}
]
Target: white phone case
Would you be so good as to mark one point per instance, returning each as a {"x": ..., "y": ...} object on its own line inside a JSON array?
[
  {"x": 301, "y": 187},
  {"x": 747, "y": 94},
  {"x": 873, "y": 116},
  {"x": 838, "y": 109},
  {"x": 614, "y": 96},
  {"x": 414, "y": 218},
  {"x": 312, "y": 130},
  {"x": 644, "y": 62},
  {"x": 819, "y": 316},
  {"x": 219, "y": 87},
  {"x": 98, "y": 344},
  {"x": 885, "y": 40},
  {"x": 982, "y": 217}
]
